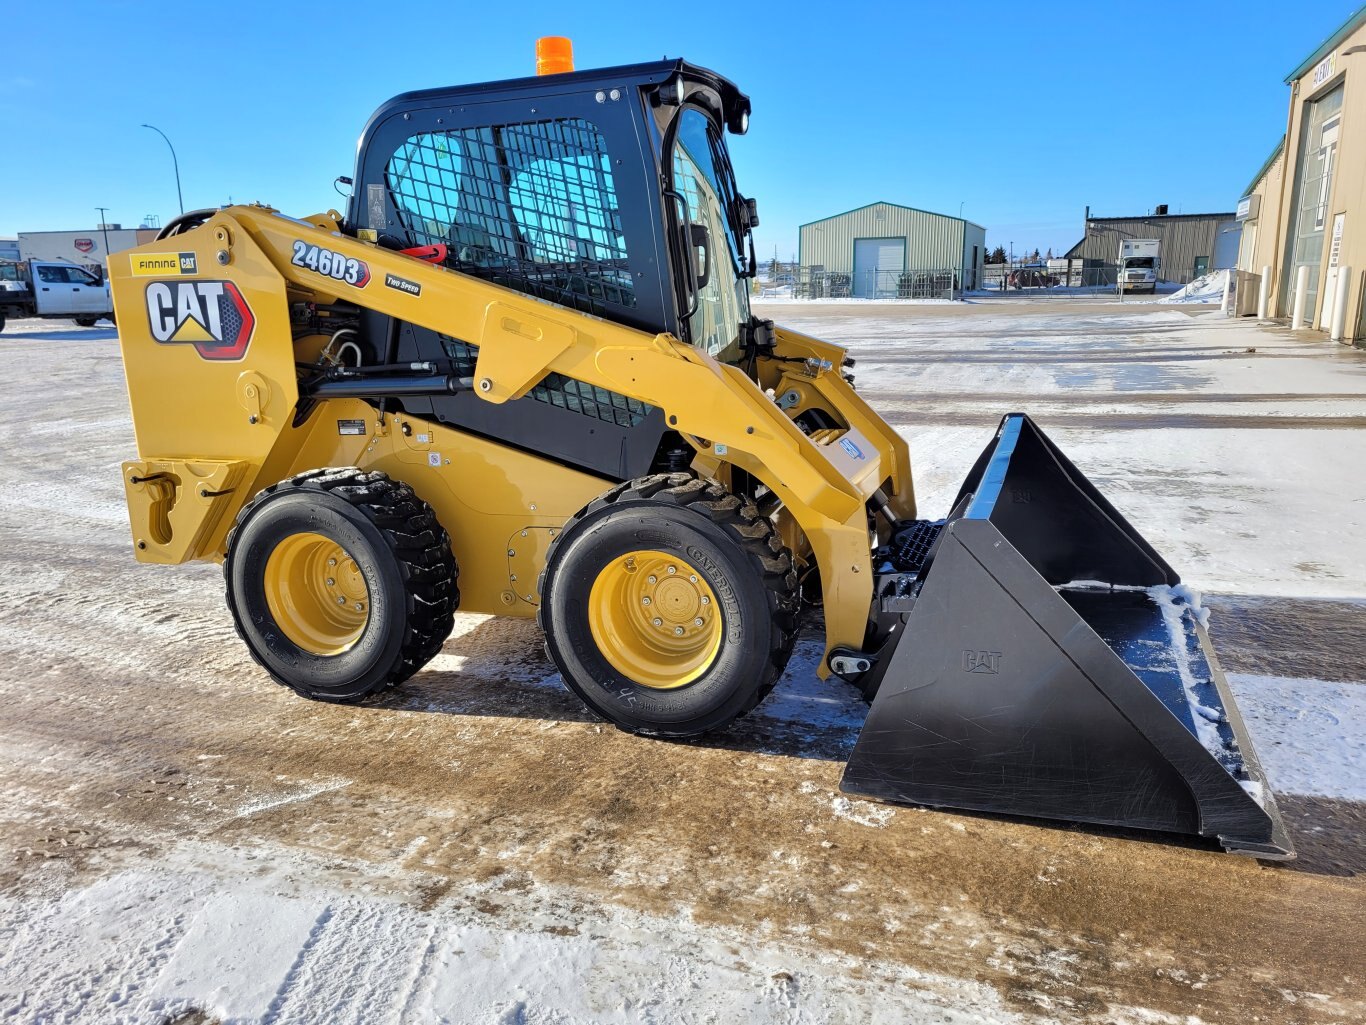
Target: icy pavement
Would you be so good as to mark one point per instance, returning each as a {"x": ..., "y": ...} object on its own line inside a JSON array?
[
  {"x": 252, "y": 946},
  {"x": 183, "y": 841},
  {"x": 1228, "y": 445}
]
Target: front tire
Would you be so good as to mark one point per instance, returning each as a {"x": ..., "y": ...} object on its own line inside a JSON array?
[
  {"x": 86, "y": 321},
  {"x": 669, "y": 605},
  {"x": 341, "y": 582}
]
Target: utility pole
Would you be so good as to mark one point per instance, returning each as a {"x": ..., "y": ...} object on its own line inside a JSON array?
[
  {"x": 104, "y": 220},
  {"x": 175, "y": 163}
]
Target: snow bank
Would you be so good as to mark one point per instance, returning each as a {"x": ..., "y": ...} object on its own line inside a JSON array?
[{"x": 1208, "y": 288}]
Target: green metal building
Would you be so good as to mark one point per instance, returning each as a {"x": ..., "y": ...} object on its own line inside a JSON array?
[{"x": 886, "y": 250}]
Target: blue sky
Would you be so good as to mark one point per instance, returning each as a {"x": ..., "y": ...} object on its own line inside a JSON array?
[{"x": 1022, "y": 113}]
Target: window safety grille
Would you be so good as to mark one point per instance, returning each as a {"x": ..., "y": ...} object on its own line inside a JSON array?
[
  {"x": 558, "y": 390},
  {"x": 531, "y": 206}
]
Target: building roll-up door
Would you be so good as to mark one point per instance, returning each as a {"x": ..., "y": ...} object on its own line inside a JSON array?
[{"x": 878, "y": 263}]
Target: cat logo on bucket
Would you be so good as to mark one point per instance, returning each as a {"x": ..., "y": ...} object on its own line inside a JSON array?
[
  {"x": 210, "y": 315},
  {"x": 981, "y": 661}
]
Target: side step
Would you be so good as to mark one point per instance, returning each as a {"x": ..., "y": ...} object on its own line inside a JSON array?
[{"x": 1052, "y": 667}]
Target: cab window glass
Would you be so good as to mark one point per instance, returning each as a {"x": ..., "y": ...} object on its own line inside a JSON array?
[
  {"x": 532, "y": 206},
  {"x": 708, "y": 193},
  {"x": 52, "y": 275}
]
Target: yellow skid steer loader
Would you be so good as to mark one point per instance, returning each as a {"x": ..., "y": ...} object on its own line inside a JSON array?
[{"x": 520, "y": 376}]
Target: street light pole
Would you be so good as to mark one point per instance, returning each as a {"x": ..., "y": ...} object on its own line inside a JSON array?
[
  {"x": 104, "y": 222},
  {"x": 175, "y": 163}
]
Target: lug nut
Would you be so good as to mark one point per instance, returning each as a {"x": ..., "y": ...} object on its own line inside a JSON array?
[
  {"x": 331, "y": 582},
  {"x": 360, "y": 607},
  {"x": 645, "y": 600},
  {"x": 692, "y": 577},
  {"x": 341, "y": 600},
  {"x": 697, "y": 621},
  {"x": 672, "y": 570},
  {"x": 706, "y": 600},
  {"x": 652, "y": 579},
  {"x": 678, "y": 631},
  {"x": 331, "y": 562},
  {"x": 657, "y": 621}
]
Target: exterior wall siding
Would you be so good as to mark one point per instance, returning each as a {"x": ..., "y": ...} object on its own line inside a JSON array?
[
  {"x": 1184, "y": 237},
  {"x": 933, "y": 241},
  {"x": 1348, "y": 190},
  {"x": 1258, "y": 248},
  {"x": 974, "y": 235}
]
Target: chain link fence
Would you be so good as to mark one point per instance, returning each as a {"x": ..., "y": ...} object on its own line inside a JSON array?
[
  {"x": 1054, "y": 279},
  {"x": 819, "y": 283},
  {"x": 1058, "y": 279}
]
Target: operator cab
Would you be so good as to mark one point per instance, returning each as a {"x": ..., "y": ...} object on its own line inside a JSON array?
[{"x": 608, "y": 191}]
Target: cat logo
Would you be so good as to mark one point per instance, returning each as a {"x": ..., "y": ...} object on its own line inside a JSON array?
[
  {"x": 981, "y": 661},
  {"x": 158, "y": 265},
  {"x": 210, "y": 315}
]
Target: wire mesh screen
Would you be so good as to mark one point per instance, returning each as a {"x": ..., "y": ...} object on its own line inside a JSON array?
[
  {"x": 531, "y": 206},
  {"x": 558, "y": 390}
]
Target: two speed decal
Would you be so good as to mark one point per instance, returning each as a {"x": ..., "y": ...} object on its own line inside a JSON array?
[{"x": 330, "y": 264}]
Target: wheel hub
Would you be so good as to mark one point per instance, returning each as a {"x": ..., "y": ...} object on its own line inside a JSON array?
[
  {"x": 654, "y": 618},
  {"x": 316, "y": 593}
]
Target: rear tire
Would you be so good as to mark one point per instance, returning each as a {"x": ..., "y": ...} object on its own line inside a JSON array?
[
  {"x": 721, "y": 618},
  {"x": 86, "y": 321},
  {"x": 341, "y": 582}
]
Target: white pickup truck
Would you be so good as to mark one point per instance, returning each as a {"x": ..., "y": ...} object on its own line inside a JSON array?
[{"x": 36, "y": 288}]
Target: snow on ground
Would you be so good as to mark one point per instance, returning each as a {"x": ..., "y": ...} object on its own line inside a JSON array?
[
  {"x": 1202, "y": 499},
  {"x": 1309, "y": 734},
  {"x": 246, "y": 943},
  {"x": 252, "y": 890},
  {"x": 1208, "y": 288},
  {"x": 1222, "y": 442}
]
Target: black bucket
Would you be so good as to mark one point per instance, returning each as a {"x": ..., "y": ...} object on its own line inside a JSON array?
[{"x": 1052, "y": 667}]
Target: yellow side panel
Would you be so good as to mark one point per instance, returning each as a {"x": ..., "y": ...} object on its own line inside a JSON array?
[
  {"x": 485, "y": 495},
  {"x": 178, "y": 508},
  {"x": 207, "y": 348}
]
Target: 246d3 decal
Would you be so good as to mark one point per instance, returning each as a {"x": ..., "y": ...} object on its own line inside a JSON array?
[
  {"x": 331, "y": 265},
  {"x": 210, "y": 315}
]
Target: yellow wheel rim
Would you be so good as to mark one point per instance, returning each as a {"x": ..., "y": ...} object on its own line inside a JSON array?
[
  {"x": 316, "y": 594},
  {"x": 655, "y": 619}
]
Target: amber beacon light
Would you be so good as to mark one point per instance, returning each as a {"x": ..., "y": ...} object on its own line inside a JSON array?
[{"x": 554, "y": 55}]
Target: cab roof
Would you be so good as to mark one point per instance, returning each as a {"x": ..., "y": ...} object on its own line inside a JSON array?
[{"x": 733, "y": 101}]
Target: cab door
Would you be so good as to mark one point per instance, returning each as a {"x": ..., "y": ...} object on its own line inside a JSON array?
[
  {"x": 88, "y": 294},
  {"x": 53, "y": 292}
]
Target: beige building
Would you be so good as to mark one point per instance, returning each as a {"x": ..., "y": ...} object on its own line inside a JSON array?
[{"x": 1306, "y": 206}]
